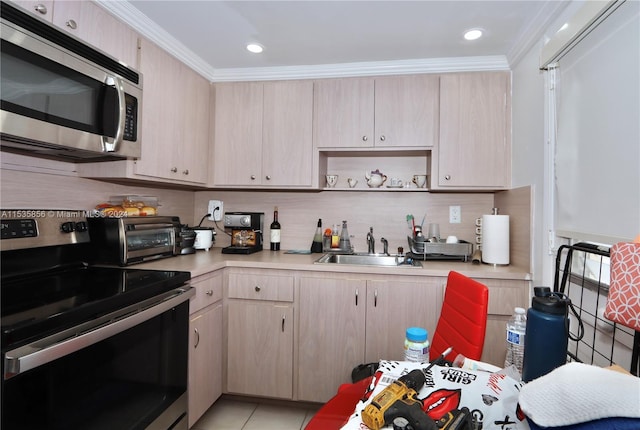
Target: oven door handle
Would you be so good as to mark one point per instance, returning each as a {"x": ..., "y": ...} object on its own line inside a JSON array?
[{"x": 51, "y": 348}]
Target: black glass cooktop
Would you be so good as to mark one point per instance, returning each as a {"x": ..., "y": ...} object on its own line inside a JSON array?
[{"x": 37, "y": 305}]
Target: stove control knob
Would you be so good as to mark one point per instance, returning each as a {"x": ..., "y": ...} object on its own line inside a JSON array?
[
  {"x": 81, "y": 226},
  {"x": 67, "y": 227}
]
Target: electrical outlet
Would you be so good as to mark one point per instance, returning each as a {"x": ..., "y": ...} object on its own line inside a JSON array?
[
  {"x": 215, "y": 210},
  {"x": 455, "y": 215}
]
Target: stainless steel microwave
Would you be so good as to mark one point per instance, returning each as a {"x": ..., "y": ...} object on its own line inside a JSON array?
[{"x": 63, "y": 98}]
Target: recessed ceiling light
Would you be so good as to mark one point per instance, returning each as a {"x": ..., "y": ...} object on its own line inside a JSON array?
[
  {"x": 255, "y": 48},
  {"x": 473, "y": 34}
]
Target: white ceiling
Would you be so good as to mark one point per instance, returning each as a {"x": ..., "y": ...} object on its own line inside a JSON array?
[{"x": 211, "y": 35}]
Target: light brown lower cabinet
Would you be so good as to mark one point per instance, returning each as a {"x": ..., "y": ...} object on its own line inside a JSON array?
[
  {"x": 394, "y": 305},
  {"x": 346, "y": 322},
  {"x": 260, "y": 349},
  {"x": 260, "y": 333},
  {"x": 504, "y": 296},
  {"x": 331, "y": 334},
  {"x": 205, "y": 361},
  {"x": 205, "y": 344},
  {"x": 298, "y": 335}
]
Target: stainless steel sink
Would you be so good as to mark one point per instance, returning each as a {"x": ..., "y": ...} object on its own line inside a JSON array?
[{"x": 366, "y": 260}]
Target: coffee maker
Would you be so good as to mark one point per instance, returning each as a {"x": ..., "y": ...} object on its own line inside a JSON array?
[{"x": 246, "y": 232}]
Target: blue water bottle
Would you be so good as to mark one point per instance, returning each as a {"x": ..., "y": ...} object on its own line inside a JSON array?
[{"x": 547, "y": 332}]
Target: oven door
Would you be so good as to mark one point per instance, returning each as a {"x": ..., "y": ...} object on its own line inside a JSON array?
[{"x": 128, "y": 371}]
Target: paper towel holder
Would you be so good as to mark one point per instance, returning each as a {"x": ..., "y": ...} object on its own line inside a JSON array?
[{"x": 495, "y": 239}]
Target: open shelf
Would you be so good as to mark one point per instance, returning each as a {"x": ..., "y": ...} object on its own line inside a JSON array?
[{"x": 401, "y": 164}]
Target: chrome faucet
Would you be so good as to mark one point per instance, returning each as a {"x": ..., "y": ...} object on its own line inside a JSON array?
[
  {"x": 385, "y": 244},
  {"x": 371, "y": 241}
]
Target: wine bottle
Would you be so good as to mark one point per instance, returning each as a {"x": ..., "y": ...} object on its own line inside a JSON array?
[{"x": 275, "y": 231}]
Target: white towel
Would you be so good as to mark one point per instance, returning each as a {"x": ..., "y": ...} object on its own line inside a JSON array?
[{"x": 576, "y": 393}]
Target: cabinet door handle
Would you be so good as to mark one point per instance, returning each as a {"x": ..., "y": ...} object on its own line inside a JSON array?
[
  {"x": 210, "y": 293},
  {"x": 41, "y": 9},
  {"x": 185, "y": 172},
  {"x": 72, "y": 24},
  {"x": 356, "y": 297},
  {"x": 257, "y": 288},
  {"x": 375, "y": 298},
  {"x": 253, "y": 177},
  {"x": 268, "y": 177},
  {"x": 447, "y": 177},
  {"x": 195, "y": 330},
  {"x": 382, "y": 138},
  {"x": 283, "y": 318},
  {"x": 365, "y": 138},
  {"x": 174, "y": 169}
]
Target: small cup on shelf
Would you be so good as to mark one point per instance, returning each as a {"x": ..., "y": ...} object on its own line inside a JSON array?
[
  {"x": 395, "y": 182},
  {"x": 420, "y": 180},
  {"x": 332, "y": 180}
]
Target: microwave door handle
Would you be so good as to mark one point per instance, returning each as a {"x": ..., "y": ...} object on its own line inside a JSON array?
[{"x": 109, "y": 145}]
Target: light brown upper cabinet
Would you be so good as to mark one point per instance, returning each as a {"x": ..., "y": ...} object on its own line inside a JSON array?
[
  {"x": 175, "y": 118},
  {"x": 263, "y": 134},
  {"x": 474, "y": 149},
  {"x": 42, "y": 8},
  {"x": 93, "y": 24},
  {"x": 382, "y": 112}
]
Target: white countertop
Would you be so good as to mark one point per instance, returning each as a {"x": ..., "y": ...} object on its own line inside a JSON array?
[{"x": 206, "y": 261}]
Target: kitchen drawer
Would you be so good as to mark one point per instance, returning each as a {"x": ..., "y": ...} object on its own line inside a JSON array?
[
  {"x": 208, "y": 291},
  {"x": 261, "y": 286}
]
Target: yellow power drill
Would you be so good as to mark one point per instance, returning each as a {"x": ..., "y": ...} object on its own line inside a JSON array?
[{"x": 399, "y": 399}]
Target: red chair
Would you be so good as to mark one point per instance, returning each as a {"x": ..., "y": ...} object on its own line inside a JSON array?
[
  {"x": 463, "y": 319},
  {"x": 462, "y": 325}
]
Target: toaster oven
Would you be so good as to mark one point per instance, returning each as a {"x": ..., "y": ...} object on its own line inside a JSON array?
[{"x": 130, "y": 240}]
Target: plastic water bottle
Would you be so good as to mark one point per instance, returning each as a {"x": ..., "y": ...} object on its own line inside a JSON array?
[
  {"x": 516, "y": 329},
  {"x": 416, "y": 345}
]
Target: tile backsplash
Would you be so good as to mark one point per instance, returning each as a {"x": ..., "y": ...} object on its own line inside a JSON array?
[
  {"x": 62, "y": 189},
  {"x": 384, "y": 210}
]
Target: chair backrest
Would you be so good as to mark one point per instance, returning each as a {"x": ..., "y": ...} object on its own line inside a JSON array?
[{"x": 463, "y": 319}]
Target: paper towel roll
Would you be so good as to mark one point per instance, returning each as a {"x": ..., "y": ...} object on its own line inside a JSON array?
[{"x": 495, "y": 239}]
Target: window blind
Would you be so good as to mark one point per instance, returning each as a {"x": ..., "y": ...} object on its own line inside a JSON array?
[{"x": 597, "y": 159}]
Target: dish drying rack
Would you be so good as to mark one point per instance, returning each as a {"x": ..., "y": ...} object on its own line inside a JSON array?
[{"x": 440, "y": 250}]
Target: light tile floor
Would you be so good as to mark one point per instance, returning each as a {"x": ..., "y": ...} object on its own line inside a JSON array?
[{"x": 233, "y": 414}]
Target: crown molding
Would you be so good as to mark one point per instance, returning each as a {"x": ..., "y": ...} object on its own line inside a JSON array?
[
  {"x": 377, "y": 68},
  {"x": 140, "y": 23},
  {"x": 535, "y": 31},
  {"x": 150, "y": 30}
]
